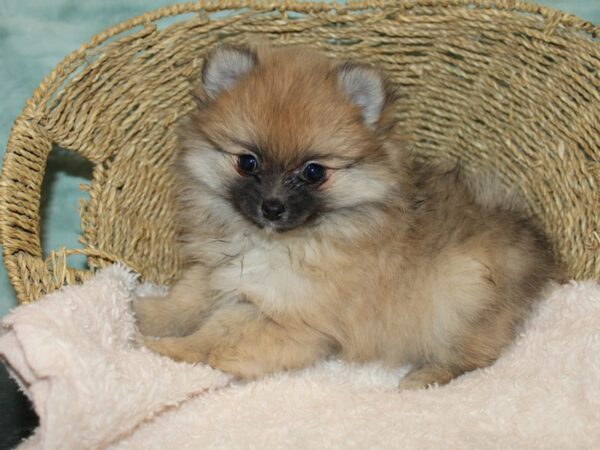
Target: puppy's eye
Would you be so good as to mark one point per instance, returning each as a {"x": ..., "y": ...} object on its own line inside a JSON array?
[
  {"x": 313, "y": 173},
  {"x": 248, "y": 164}
]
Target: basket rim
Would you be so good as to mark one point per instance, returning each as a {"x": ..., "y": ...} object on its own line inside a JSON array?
[{"x": 556, "y": 16}]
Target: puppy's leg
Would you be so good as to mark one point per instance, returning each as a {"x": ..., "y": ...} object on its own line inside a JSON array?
[
  {"x": 426, "y": 377},
  {"x": 179, "y": 313},
  {"x": 469, "y": 323},
  {"x": 239, "y": 339}
]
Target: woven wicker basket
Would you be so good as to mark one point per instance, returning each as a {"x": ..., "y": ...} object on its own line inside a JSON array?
[{"x": 500, "y": 85}]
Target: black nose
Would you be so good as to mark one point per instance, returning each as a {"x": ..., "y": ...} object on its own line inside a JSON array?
[{"x": 273, "y": 209}]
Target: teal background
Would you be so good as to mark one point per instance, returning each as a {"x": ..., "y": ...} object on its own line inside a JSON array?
[{"x": 34, "y": 36}]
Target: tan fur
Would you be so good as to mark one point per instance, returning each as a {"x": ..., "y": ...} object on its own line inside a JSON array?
[{"x": 406, "y": 265}]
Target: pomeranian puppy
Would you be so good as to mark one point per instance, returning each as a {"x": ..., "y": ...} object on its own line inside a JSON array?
[{"x": 309, "y": 232}]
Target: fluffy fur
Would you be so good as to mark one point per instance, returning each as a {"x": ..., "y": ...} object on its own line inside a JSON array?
[{"x": 381, "y": 259}]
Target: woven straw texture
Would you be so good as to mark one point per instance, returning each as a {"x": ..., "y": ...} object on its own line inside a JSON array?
[{"x": 502, "y": 86}]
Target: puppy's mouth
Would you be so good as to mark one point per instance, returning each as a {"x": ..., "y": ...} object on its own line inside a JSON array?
[
  {"x": 279, "y": 222},
  {"x": 277, "y": 225}
]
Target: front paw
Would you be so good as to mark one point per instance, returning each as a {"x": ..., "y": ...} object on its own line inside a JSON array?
[
  {"x": 177, "y": 349},
  {"x": 221, "y": 357},
  {"x": 232, "y": 361},
  {"x": 426, "y": 378}
]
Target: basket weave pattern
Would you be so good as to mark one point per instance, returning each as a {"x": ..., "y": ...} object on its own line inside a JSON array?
[{"x": 501, "y": 86}]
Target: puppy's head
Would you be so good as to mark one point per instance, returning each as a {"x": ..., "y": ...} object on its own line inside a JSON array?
[{"x": 287, "y": 137}]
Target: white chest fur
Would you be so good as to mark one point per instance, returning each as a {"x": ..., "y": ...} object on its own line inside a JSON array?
[{"x": 271, "y": 275}]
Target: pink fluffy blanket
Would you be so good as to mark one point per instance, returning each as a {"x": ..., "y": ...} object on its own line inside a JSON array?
[{"x": 72, "y": 354}]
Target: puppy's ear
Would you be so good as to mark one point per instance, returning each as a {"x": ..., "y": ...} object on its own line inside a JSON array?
[
  {"x": 366, "y": 88},
  {"x": 224, "y": 67}
]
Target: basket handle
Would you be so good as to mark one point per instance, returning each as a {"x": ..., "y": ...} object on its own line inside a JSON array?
[{"x": 23, "y": 171}]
